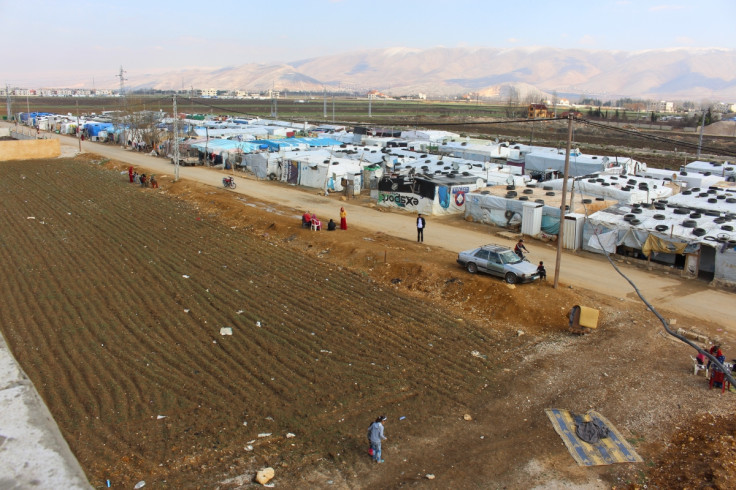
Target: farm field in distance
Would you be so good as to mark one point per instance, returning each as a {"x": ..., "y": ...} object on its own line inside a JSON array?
[{"x": 464, "y": 118}]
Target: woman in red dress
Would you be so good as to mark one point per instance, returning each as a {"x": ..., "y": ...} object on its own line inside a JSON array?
[{"x": 343, "y": 219}]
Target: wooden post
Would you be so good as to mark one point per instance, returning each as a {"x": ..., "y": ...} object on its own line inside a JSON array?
[{"x": 562, "y": 201}]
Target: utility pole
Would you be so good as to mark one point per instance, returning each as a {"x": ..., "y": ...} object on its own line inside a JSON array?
[
  {"x": 370, "y": 99},
  {"x": 176, "y": 142},
  {"x": 700, "y": 140},
  {"x": 122, "y": 78},
  {"x": 324, "y": 95},
  {"x": 206, "y": 143},
  {"x": 79, "y": 130},
  {"x": 563, "y": 199},
  {"x": 333, "y": 108},
  {"x": 7, "y": 96}
]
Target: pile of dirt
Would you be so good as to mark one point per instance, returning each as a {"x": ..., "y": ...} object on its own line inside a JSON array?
[{"x": 721, "y": 128}]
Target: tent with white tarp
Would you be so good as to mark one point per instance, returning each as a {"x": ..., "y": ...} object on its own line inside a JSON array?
[
  {"x": 683, "y": 179},
  {"x": 426, "y": 195},
  {"x": 726, "y": 171},
  {"x": 476, "y": 152},
  {"x": 669, "y": 231},
  {"x": 317, "y": 169},
  {"x": 503, "y": 205},
  {"x": 580, "y": 164},
  {"x": 624, "y": 189},
  {"x": 428, "y": 135}
]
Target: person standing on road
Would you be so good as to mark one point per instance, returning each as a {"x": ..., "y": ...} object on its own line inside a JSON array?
[
  {"x": 421, "y": 225},
  {"x": 343, "y": 219},
  {"x": 375, "y": 436}
]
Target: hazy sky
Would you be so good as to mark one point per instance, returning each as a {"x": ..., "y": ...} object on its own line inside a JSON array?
[{"x": 58, "y": 43}]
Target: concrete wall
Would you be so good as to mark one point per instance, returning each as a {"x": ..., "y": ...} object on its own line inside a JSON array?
[{"x": 29, "y": 149}]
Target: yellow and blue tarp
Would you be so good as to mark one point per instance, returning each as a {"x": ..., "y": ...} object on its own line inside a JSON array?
[{"x": 608, "y": 450}]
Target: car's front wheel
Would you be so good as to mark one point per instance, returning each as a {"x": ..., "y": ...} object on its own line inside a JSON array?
[
  {"x": 511, "y": 278},
  {"x": 472, "y": 268}
]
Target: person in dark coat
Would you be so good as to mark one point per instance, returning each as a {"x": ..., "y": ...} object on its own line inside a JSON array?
[{"x": 421, "y": 225}]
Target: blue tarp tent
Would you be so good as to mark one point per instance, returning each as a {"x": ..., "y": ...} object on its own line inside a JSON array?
[{"x": 93, "y": 129}]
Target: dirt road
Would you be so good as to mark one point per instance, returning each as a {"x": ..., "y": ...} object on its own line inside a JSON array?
[{"x": 666, "y": 291}]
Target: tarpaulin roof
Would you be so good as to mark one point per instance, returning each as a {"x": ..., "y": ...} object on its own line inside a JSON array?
[
  {"x": 218, "y": 146},
  {"x": 625, "y": 189}
]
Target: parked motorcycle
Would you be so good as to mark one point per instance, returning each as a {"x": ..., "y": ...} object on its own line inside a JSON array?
[{"x": 228, "y": 182}]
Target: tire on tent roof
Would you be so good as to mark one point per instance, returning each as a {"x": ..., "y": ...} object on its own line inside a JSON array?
[
  {"x": 727, "y": 228},
  {"x": 699, "y": 232},
  {"x": 635, "y": 222},
  {"x": 587, "y": 201},
  {"x": 511, "y": 194},
  {"x": 600, "y": 198},
  {"x": 528, "y": 191},
  {"x": 551, "y": 193},
  {"x": 547, "y": 188},
  {"x": 523, "y": 198},
  {"x": 661, "y": 228},
  {"x": 510, "y": 187},
  {"x": 696, "y": 215},
  {"x": 681, "y": 211},
  {"x": 659, "y": 217},
  {"x": 539, "y": 201},
  {"x": 689, "y": 223}
]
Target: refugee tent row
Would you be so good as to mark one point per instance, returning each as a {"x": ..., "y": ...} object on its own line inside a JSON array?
[
  {"x": 616, "y": 187},
  {"x": 316, "y": 169},
  {"x": 667, "y": 232}
]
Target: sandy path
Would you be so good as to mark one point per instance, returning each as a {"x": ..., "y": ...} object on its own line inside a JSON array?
[{"x": 667, "y": 292}]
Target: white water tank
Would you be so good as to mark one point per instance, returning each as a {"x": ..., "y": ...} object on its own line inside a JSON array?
[
  {"x": 531, "y": 218},
  {"x": 572, "y": 235}
]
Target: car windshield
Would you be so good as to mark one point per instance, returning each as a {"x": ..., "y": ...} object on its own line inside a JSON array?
[{"x": 509, "y": 257}]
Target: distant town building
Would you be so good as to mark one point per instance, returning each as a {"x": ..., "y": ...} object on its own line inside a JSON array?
[
  {"x": 209, "y": 92},
  {"x": 537, "y": 111},
  {"x": 663, "y": 106}
]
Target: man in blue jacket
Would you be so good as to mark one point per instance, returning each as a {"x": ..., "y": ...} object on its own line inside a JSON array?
[{"x": 375, "y": 435}]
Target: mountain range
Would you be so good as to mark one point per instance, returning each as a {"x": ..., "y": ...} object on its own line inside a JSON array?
[{"x": 676, "y": 73}]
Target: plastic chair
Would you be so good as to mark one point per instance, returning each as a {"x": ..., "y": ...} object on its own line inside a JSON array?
[
  {"x": 316, "y": 225},
  {"x": 697, "y": 367},
  {"x": 718, "y": 376}
]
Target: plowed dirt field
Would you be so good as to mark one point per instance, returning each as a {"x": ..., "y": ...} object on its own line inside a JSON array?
[{"x": 114, "y": 298}]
